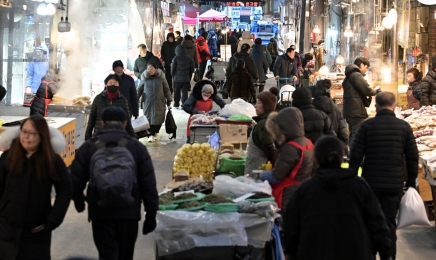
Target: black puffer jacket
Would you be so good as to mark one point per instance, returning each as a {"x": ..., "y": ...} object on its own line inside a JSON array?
[
  {"x": 141, "y": 63},
  {"x": 44, "y": 94},
  {"x": 386, "y": 143},
  {"x": 189, "y": 105},
  {"x": 335, "y": 207},
  {"x": 168, "y": 50},
  {"x": 100, "y": 102},
  {"x": 316, "y": 123},
  {"x": 128, "y": 89},
  {"x": 355, "y": 88},
  {"x": 2, "y": 92},
  {"x": 191, "y": 49},
  {"x": 249, "y": 64},
  {"x": 257, "y": 54},
  {"x": 80, "y": 173},
  {"x": 428, "y": 88},
  {"x": 285, "y": 67},
  {"x": 182, "y": 65}
]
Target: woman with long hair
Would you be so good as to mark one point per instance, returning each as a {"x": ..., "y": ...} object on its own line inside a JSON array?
[
  {"x": 240, "y": 83},
  {"x": 28, "y": 172}
]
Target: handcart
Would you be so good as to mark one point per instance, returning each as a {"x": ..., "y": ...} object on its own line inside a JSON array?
[
  {"x": 216, "y": 72},
  {"x": 286, "y": 87}
]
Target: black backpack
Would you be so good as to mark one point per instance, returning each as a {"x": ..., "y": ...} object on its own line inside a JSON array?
[
  {"x": 170, "y": 125},
  {"x": 113, "y": 174}
]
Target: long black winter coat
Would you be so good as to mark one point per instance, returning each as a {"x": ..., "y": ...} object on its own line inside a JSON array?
[
  {"x": 335, "y": 207},
  {"x": 128, "y": 89},
  {"x": 260, "y": 60},
  {"x": 387, "y": 143},
  {"x": 141, "y": 63},
  {"x": 182, "y": 65},
  {"x": 190, "y": 103},
  {"x": 191, "y": 50},
  {"x": 45, "y": 91},
  {"x": 428, "y": 88},
  {"x": 167, "y": 51},
  {"x": 233, "y": 44},
  {"x": 80, "y": 174},
  {"x": 326, "y": 105},
  {"x": 25, "y": 203},
  {"x": 101, "y": 102},
  {"x": 285, "y": 67},
  {"x": 316, "y": 123},
  {"x": 249, "y": 64},
  {"x": 355, "y": 88}
]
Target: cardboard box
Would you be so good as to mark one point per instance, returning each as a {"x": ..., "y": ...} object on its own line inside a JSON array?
[{"x": 233, "y": 133}]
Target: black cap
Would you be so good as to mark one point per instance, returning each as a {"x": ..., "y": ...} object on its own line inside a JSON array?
[
  {"x": 117, "y": 63},
  {"x": 113, "y": 113}
]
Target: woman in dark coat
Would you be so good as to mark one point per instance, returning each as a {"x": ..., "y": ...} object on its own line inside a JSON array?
[
  {"x": 240, "y": 84},
  {"x": 233, "y": 41},
  {"x": 111, "y": 96},
  {"x": 47, "y": 89},
  {"x": 28, "y": 172},
  {"x": 334, "y": 207}
]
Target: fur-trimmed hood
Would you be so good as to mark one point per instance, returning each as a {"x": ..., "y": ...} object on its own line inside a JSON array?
[
  {"x": 285, "y": 125},
  {"x": 56, "y": 138},
  {"x": 196, "y": 91}
]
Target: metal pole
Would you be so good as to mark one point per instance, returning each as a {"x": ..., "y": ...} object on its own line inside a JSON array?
[
  {"x": 10, "y": 56},
  {"x": 152, "y": 28},
  {"x": 394, "y": 51},
  {"x": 302, "y": 25}
]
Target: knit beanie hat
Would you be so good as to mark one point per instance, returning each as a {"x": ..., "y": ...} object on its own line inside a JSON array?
[
  {"x": 117, "y": 63},
  {"x": 301, "y": 96},
  {"x": 433, "y": 63},
  {"x": 188, "y": 37},
  {"x": 113, "y": 113},
  {"x": 268, "y": 99}
]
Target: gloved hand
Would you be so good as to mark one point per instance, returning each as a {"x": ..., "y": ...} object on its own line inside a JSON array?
[
  {"x": 149, "y": 224},
  {"x": 377, "y": 89},
  {"x": 411, "y": 184},
  {"x": 168, "y": 103},
  {"x": 277, "y": 78},
  {"x": 79, "y": 205},
  {"x": 195, "y": 112}
]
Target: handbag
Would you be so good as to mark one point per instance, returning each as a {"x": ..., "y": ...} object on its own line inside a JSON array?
[
  {"x": 170, "y": 125},
  {"x": 197, "y": 75}
]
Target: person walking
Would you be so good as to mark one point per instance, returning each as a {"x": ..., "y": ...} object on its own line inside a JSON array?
[
  {"x": 285, "y": 66},
  {"x": 168, "y": 52},
  {"x": 144, "y": 58},
  {"x": 293, "y": 161},
  {"x": 233, "y": 41},
  {"x": 261, "y": 143},
  {"x": 244, "y": 55},
  {"x": 389, "y": 148},
  {"x": 201, "y": 100},
  {"x": 179, "y": 38},
  {"x": 182, "y": 68},
  {"x": 316, "y": 122},
  {"x": 114, "y": 217},
  {"x": 428, "y": 86},
  {"x": 334, "y": 207},
  {"x": 156, "y": 94},
  {"x": 246, "y": 39},
  {"x": 191, "y": 49},
  {"x": 29, "y": 170},
  {"x": 110, "y": 96},
  {"x": 258, "y": 44},
  {"x": 323, "y": 101},
  {"x": 357, "y": 95},
  {"x": 212, "y": 42},
  {"x": 203, "y": 53},
  {"x": 261, "y": 61},
  {"x": 127, "y": 88},
  {"x": 272, "y": 49},
  {"x": 240, "y": 84}
]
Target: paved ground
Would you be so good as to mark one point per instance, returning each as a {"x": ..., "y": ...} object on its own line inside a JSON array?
[{"x": 74, "y": 236}]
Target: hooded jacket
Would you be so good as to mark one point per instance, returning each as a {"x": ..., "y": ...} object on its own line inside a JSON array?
[
  {"x": 414, "y": 93},
  {"x": 212, "y": 40},
  {"x": 335, "y": 207},
  {"x": 272, "y": 48},
  {"x": 156, "y": 94},
  {"x": 191, "y": 50},
  {"x": 36, "y": 71},
  {"x": 190, "y": 103},
  {"x": 246, "y": 38},
  {"x": 101, "y": 101},
  {"x": 240, "y": 84},
  {"x": 128, "y": 89},
  {"x": 44, "y": 94},
  {"x": 203, "y": 52},
  {"x": 428, "y": 87},
  {"x": 168, "y": 50},
  {"x": 355, "y": 88},
  {"x": 285, "y": 67},
  {"x": 249, "y": 64},
  {"x": 389, "y": 148},
  {"x": 262, "y": 65},
  {"x": 233, "y": 41},
  {"x": 182, "y": 65},
  {"x": 285, "y": 126},
  {"x": 141, "y": 63}
]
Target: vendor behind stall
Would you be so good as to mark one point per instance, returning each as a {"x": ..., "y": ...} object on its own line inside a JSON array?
[
  {"x": 260, "y": 143},
  {"x": 200, "y": 101},
  {"x": 293, "y": 162}
]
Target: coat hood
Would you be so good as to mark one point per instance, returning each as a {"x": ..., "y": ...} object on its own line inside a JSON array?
[
  {"x": 333, "y": 179},
  {"x": 201, "y": 41},
  {"x": 196, "y": 91},
  {"x": 241, "y": 55},
  {"x": 324, "y": 104},
  {"x": 257, "y": 48},
  {"x": 171, "y": 35},
  {"x": 159, "y": 74},
  {"x": 350, "y": 69},
  {"x": 188, "y": 43},
  {"x": 286, "y": 125},
  {"x": 56, "y": 138},
  {"x": 246, "y": 35},
  {"x": 180, "y": 50}
]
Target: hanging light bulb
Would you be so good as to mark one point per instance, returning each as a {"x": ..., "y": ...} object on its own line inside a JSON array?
[
  {"x": 348, "y": 33},
  {"x": 50, "y": 9},
  {"x": 324, "y": 70},
  {"x": 393, "y": 16},
  {"x": 340, "y": 59},
  {"x": 316, "y": 29},
  {"x": 434, "y": 14},
  {"x": 42, "y": 9},
  {"x": 387, "y": 23}
]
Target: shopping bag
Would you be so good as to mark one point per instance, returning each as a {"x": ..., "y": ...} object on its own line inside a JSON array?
[
  {"x": 140, "y": 124},
  {"x": 412, "y": 210},
  {"x": 239, "y": 186},
  {"x": 170, "y": 125}
]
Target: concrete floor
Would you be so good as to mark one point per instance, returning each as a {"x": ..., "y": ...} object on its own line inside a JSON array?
[{"x": 74, "y": 236}]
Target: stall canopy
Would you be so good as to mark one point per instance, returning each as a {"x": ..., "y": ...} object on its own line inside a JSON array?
[
  {"x": 209, "y": 16},
  {"x": 190, "y": 10}
]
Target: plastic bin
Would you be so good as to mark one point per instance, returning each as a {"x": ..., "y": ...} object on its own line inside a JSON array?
[
  {"x": 200, "y": 133},
  {"x": 236, "y": 166}
]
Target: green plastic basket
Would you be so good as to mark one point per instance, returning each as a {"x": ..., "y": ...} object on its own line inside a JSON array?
[
  {"x": 194, "y": 208},
  {"x": 199, "y": 197},
  {"x": 168, "y": 207},
  {"x": 236, "y": 166},
  {"x": 222, "y": 207},
  {"x": 260, "y": 200}
]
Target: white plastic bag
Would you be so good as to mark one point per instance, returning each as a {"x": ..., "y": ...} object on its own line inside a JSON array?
[
  {"x": 140, "y": 124},
  {"x": 286, "y": 92},
  {"x": 239, "y": 186},
  {"x": 239, "y": 106},
  {"x": 225, "y": 111},
  {"x": 412, "y": 210}
]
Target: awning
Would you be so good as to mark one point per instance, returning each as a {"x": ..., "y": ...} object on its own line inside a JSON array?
[{"x": 190, "y": 10}]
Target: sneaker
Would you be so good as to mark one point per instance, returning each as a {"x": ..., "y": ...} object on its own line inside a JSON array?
[{"x": 151, "y": 139}]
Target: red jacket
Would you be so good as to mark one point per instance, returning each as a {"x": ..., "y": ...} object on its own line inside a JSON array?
[{"x": 203, "y": 52}]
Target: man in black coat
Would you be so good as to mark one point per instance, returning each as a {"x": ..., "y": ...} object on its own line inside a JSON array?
[
  {"x": 428, "y": 86},
  {"x": 115, "y": 229},
  {"x": 145, "y": 57},
  {"x": 168, "y": 52},
  {"x": 182, "y": 68},
  {"x": 356, "y": 91},
  {"x": 389, "y": 148},
  {"x": 127, "y": 88},
  {"x": 285, "y": 66},
  {"x": 2, "y": 92}
]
